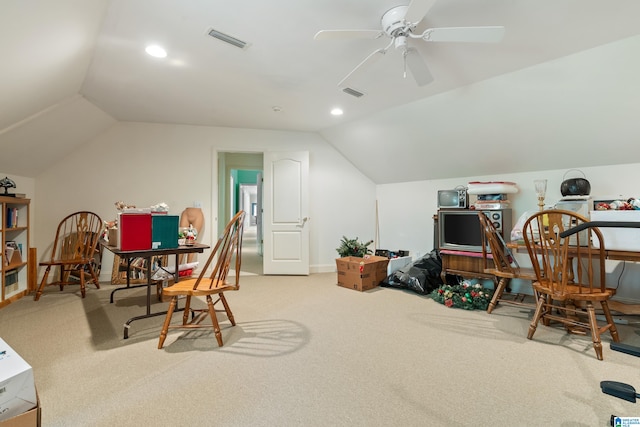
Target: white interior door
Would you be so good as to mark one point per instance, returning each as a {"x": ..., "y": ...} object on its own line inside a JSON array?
[{"x": 285, "y": 213}]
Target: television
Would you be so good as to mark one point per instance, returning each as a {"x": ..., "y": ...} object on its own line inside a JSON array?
[
  {"x": 459, "y": 229},
  {"x": 453, "y": 199}
]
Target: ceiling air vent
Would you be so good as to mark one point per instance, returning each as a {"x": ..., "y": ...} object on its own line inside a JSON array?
[
  {"x": 352, "y": 92},
  {"x": 227, "y": 38}
]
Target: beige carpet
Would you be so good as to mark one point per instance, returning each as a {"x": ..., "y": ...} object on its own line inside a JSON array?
[{"x": 306, "y": 352}]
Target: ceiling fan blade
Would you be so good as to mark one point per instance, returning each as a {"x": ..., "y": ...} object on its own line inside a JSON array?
[
  {"x": 465, "y": 34},
  {"x": 347, "y": 34},
  {"x": 374, "y": 57},
  {"x": 417, "y": 67},
  {"x": 417, "y": 10}
]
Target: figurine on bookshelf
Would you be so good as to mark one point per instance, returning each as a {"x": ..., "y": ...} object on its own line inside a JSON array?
[{"x": 7, "y": 183}]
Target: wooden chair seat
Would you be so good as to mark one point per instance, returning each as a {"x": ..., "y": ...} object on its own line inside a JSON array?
[
  {"x": 226, "y": 251},
  {"x": 75, "y": 252},
  {"x": 197, "y": 289},
  {"x": 574, "y": 292},
  {"x": 571, "y": 274}
]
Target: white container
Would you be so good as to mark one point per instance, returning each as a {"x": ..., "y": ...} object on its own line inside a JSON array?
[
  {"x": 17, "y": 388},
  {"x": 396, "y": 264},
  {"x": 618, "y": 238}
]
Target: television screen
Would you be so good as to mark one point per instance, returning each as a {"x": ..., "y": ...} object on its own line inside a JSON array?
[
  {"x": 448, "y": 199},
  {"x": 459, "y": 229},
  {"x": 463, "y": 230}
]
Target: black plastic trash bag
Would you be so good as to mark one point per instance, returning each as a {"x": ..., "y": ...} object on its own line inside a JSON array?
[{"x": 421, "y": 276}]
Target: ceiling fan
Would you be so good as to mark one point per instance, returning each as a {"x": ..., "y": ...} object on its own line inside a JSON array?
[{"x": 399, "y": 24}]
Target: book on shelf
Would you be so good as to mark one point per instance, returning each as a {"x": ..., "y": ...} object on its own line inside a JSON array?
[
  {"x": 10, "y": 278},
  {"x": 12, "y": 250},
  {"x": 12, "y": 217}
]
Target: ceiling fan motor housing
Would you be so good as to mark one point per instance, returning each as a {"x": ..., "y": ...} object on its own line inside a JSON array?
[{"x": 393, "y": 23}]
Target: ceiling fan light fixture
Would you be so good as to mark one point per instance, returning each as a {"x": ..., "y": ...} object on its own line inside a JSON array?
[{"x": 227, "y": 38}]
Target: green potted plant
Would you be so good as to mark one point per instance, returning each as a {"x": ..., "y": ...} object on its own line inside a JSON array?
[{"x": 352, "y": 247}]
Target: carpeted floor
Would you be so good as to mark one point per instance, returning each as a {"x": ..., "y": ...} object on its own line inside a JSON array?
[{"x": 306, "y": 352}]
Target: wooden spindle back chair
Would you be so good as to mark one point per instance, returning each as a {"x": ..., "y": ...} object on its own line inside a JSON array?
[
  {"x": 75, "y": 252},
  {"x": 227, "y": 252},
  {"x": 499, "y": 261},
  {"x": 570, "y": 274}
]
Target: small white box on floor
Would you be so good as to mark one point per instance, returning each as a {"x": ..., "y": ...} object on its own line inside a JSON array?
[
  {"x": 396, "y": 264},
  {"x": 17, "y": 387}
]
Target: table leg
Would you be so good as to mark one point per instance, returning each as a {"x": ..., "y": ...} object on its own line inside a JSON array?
[{"x": 148, "y": 285}]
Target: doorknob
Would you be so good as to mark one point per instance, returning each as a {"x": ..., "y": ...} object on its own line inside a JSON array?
[{"x": 304, "y": 220}]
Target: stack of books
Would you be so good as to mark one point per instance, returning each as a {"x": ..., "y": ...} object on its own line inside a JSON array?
[{"x": 492, "y": 202}]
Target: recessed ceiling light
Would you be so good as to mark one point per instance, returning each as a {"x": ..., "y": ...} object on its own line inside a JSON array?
[
  {"x": 337, "y": 112},
  {"x": 276, "y": 109},
  {"x": 156, "y": 51}
]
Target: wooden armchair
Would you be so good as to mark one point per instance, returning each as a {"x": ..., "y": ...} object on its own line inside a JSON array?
[
  {"x": 570, "y": 274},
  {"x": 499, "y": 262},
  {"x": 227, "y": 250},
  {"x": 75, "y": 252}
]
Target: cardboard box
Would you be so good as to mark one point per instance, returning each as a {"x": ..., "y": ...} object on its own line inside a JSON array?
[
  {"x": 134, "y": 231},
  {"x": 361, "y": 274},
  {"x": 620, "y": 239},
  {"x": 17, "y": 388},
  {"x": 31, "y": 418},
  {"x": 164, "y": 231},
  {"x": 113, "y": 237}
]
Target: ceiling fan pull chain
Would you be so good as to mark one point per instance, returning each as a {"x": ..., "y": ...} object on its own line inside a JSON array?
[{"x": 404, "y": 65}]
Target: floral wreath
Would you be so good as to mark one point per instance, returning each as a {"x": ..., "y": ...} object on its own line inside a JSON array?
[{"x": 463, "y": 295}]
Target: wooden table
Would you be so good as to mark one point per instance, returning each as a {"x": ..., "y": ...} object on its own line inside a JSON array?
[
  {"x": 148, "y": 254},
  {"x": 614, "y": 255}
]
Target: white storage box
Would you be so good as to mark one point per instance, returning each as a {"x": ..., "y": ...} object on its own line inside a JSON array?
[
  {"x": 396, "y": 264},
  {"x": 619, "y": 239},
  {"x": 17, "y": 388}
]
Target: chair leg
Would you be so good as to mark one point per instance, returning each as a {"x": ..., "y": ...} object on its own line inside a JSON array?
[
  {"x": 536, "y": 316},
  {"x": 502, "y": 284},
  {"x": 167, "y": 321},
  {"x": 214, "y": 320},
  {"x": 227, "y": 309},
  {"x": 63, "y": 277},
  {"x": 94, "y": 276},
  {"x": 595, "y": 332},
  {"x": 187, "y": 310},
  {"x": 36, "y": 297},
  {"x": 83, "y": 289},
  {"x": 610, "y": 323}
]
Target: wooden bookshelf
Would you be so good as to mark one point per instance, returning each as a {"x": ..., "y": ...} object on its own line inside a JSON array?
[{"x": 15, "y": 254}]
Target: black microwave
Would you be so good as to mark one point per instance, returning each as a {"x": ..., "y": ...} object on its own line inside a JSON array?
[{"x": 453, "y": 199}]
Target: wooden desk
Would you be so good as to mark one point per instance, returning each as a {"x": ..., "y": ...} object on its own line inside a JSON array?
[
  {"x": 614, "y": 255},
  {"x": 465, "y": 264},
  {"x": 148, "y": 254},
  {"x": 470, "y": 265}
]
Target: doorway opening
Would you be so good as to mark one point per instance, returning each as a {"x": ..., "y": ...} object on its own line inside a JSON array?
[{"x": 240, "y": 187}]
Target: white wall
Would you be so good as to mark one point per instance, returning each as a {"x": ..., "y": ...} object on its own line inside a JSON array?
[
  {"x": 145, "y": 164},
  {"x": 406, "y": 211}
]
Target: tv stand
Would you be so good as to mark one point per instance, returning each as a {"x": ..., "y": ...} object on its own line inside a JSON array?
[{"x": 469, "y": 265}]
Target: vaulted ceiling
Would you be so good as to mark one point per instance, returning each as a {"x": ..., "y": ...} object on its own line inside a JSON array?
[{"x": 559, "y": 87}]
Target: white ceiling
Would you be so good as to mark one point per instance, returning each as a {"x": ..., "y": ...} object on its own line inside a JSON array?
[{"x": 561, "y": 83}]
